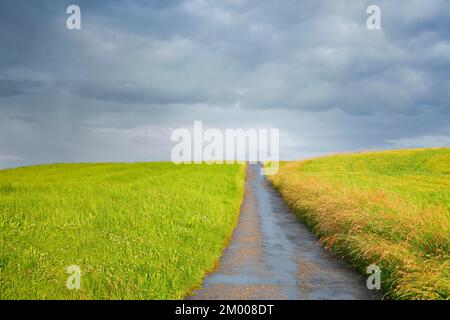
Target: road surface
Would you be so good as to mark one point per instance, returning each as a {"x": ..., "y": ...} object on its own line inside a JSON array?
[{"x": 273, "y": 256}]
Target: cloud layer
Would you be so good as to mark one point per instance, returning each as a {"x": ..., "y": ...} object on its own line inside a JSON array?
[{"x": 115, "y": 89}]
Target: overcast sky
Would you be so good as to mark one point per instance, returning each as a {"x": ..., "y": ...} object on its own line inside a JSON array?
[{"x": 115, "y": 90}]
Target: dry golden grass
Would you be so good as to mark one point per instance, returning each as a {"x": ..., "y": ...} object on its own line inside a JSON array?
[{"x": 405, "y": 235}]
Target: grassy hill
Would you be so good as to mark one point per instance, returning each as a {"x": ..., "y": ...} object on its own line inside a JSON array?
[
  {"x": 137, "y": 231},
  {"x": 387, "y": 208}
]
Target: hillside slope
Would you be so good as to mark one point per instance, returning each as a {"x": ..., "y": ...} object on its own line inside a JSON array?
[
  {"x": 388, "y": 208},
  {"x": 137, "y": 231}
]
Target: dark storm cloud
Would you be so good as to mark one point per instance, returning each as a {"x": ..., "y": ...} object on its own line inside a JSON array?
[
  {"x": 9, "y": 87},
  {"x": 141, "y": 67}
]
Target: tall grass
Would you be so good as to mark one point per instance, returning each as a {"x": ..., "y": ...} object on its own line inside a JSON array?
[
  {"x": 137, "y": 231},
  {"x": 386, "y": 208}
]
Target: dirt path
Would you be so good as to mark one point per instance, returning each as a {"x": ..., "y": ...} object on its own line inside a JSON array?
[{"x": 273, "y": 256}]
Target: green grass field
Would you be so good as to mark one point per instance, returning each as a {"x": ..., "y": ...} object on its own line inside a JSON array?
[
  {"x": 388, "y": 208},
  {"x": 137, "y": 231}
]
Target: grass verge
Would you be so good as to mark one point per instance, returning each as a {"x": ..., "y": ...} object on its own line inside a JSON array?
[{"x": 388, "y": 208}]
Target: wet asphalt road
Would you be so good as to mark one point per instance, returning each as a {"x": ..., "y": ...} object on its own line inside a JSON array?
[{"x": 273, "y": 256}]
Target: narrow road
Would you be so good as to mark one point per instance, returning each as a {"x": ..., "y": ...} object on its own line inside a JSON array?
[{"x": 273, "y": 256}]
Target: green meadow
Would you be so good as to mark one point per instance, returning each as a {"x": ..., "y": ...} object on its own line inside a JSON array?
[
  {"x": 137, "y": 231},
  {"x": 387, "y": 208}
]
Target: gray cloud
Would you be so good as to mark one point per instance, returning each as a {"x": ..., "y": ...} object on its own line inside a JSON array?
[
  {"x": 10, "y": 87},
  {"x": 310, "y": 67}
]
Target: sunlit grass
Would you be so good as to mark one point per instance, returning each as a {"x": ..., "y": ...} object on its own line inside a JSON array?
[
  {"x": 388, "y": 208},
  {"x": 137, "y": 231}
]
